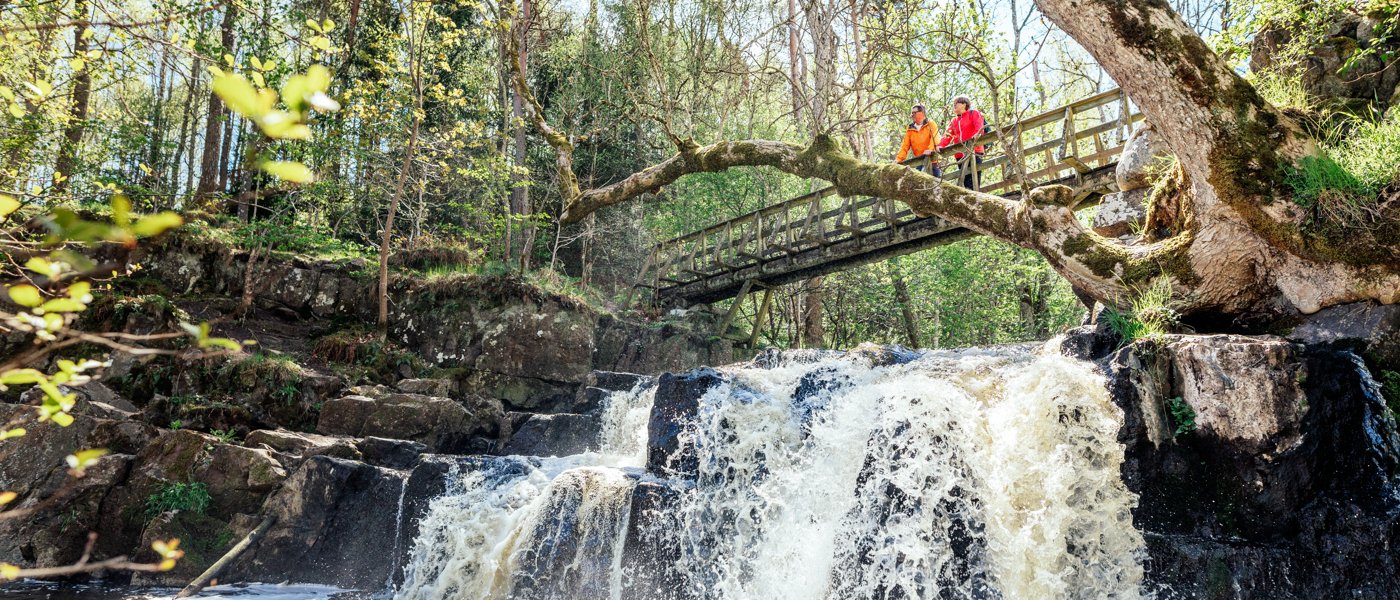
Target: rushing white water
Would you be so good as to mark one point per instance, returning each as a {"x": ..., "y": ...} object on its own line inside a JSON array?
[{"x": 972, "y": 474}]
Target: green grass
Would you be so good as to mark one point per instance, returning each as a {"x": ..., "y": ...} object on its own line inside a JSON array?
[
  {"x": 192, "y": 497},
  {"x": 1150, "y": 314}
]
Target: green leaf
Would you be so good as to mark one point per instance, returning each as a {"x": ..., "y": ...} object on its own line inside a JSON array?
[
  {"x": 150, "y": 225},
  {"x": 12, "y": 433},
  {"x": 61, "y": 419},
  {"x": 83, "y": 459},
  {"x": 21, "y": 377},
  {"x": 241, "y": 96},
  {"x": 62, "y": 305},
  {"x": 42, "y": 266},
  {"x": 294, "y": 172},
  {"x": 8, "y": 205},
  {"x": 26, "y": 295},
  {"x": 121, "y": 210},
  {"x": 224, "y": 343}
]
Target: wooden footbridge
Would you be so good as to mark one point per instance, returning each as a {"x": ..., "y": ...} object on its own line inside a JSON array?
[{"x": 819, "y": 233}]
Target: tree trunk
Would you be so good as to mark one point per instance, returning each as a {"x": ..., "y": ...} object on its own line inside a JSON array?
[
  {"x": 906, "y": 304},
  {"x": 520, "y": 194},
  {"x": 77, "y": 114},
  {"x": 209, "y": 165}
]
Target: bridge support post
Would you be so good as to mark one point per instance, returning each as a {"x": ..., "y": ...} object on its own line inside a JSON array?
[
  {"x": 734, "y": 309},
  {"x": 761, "y": 319}
]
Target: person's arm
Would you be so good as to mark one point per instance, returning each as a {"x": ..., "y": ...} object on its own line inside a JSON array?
[
  {"x": 932, "y": 146},
  {"x": 903, "y": 148},
  {"x": 948, "y": 137},
  {"x": 978, "y": 124}
]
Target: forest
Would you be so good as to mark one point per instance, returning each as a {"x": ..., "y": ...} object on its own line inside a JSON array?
[
  {"x": 429, "y": 136},
  {"x": 265, "y": 257}
]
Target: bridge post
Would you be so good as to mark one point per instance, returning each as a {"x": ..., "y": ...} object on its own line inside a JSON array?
[
  {"x": 761, "y": 319},
  {"x": 734, "y": 309}
]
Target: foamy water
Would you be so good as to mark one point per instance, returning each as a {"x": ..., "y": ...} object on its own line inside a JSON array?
[{"x": 971, "y": 474}]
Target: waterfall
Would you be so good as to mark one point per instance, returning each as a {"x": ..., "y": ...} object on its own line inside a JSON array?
[{"x": 948, "y": 474}]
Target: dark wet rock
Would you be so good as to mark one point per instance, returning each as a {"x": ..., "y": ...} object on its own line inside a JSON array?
[
  {"x": 554, "y": 435},
  {"x": 1089, "y": 342},
  {"x": 592, "y": 396},
  {"x": 677, "y": 402},
  {"x": 651, "y": 563},
  {"x": 336, "y": 522},
  {"x": 615, "y": 381},
  {"x": 392, "y": 454},
  {"x": 1366, "y": 328},
  {"x": 1279, "y": 482}
]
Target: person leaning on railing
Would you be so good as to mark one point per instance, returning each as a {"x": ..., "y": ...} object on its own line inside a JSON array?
[
  {"x": 918, "y": 139},
  {"x": 966, "y": 125}
]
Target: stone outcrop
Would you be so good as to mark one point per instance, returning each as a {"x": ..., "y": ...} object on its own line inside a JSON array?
[
  {"x": 1265, "y": 469},
  {"x": 1123, "y": 212},
  {"x": 440, "y": 424},
  {"x": 505, "y": 339},
  {"x": 1369, "y": 87}
]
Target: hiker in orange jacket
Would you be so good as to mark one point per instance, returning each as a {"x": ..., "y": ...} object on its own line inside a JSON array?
[
  {"x": 918, "y": 139},
  {"x": 966, "y": 125}
]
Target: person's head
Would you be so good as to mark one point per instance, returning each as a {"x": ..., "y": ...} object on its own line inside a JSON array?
[
  {"x": 961, "y": 104},
  {"x": 917, "y": 113}
]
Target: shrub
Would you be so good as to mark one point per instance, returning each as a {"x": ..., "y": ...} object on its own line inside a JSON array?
[
  {"x": 191, "y": 497},
  {"x": 1182, "y": 415}
]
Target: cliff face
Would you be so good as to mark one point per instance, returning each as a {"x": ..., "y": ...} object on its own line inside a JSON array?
[{"x": 1265, "y": 468}]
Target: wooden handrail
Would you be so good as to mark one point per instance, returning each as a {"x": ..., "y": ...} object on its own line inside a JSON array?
[{"x": 783, "y": 230}]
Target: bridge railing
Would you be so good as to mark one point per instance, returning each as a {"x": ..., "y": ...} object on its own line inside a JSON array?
[{"x": 1055, "y": 145}]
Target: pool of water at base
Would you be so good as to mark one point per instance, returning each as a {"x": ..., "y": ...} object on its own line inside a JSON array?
[{"x": 42, "y": 590}]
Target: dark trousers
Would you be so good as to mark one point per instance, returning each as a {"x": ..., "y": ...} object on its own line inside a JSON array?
[
  {"x": 934, "y": 169},
  {"x": 967, "y": 179}
]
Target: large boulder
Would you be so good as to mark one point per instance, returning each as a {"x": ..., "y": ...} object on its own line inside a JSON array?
[
  {"x": 337, "y": 523},
  {"x": 1121, "y": 213},
  {"x": 677, "y": 403},
  {"x": 236, "y": 480},
  {"x": 1368, "y": 86},
  {"x": 303, "y": 445},
  {"x": 1143, "y": 148},
  {"x": 1371, "y": 330},
  {"x": 1263, "y": 467},
  {"x": 441, "y": 424},
  {"x": 560, "y": 434}
]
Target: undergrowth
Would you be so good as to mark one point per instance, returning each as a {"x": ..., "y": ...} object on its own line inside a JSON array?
[
  {"x": 191, "y": 497},
  {"x": 1352, "y": 192},
  {"x": 1149, "y": 315},
  {"x": 1183, "y": 416}
]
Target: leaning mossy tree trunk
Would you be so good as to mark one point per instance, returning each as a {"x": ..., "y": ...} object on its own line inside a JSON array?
[{"x": 1238, "y": 246}]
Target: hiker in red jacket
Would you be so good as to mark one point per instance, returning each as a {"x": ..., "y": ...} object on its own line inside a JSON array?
[{"x": 965, "y": 126}]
